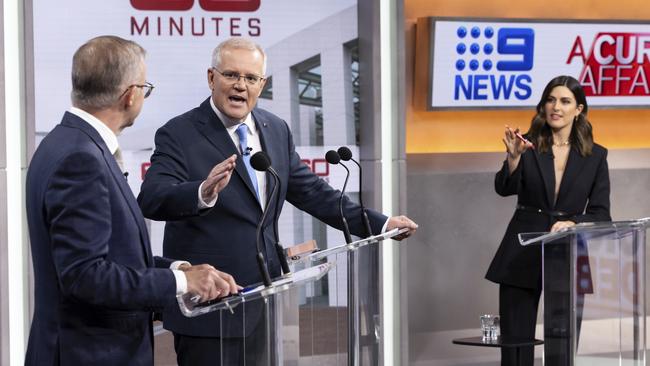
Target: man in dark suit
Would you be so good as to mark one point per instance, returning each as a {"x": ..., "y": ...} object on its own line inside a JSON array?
[
  {"x": 96, "y": 281},
  {"x": 221, "y": 229}
]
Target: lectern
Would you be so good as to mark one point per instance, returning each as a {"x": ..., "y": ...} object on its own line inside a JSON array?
[
  {"x": 288, "y": 323},
  {"x": 594, "y": 293}
]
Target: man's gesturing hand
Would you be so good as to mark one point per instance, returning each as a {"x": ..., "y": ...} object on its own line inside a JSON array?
[{"x": 217, "y": 179}]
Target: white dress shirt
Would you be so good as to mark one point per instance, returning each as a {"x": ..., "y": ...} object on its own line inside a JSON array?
[
  {"x": 253, "y": 142},
  {"x": 111, "y": 142}
]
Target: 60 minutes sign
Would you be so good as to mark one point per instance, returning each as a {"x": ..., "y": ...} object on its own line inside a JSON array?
[
  {"x": 211, "y": 23},
  {"x": 207, "y": 5},
  {"x": 503, "y": 64}
]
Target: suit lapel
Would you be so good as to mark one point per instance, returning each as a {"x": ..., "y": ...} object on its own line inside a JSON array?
[
  {"x": 76, "y": 122},
  {"x": 263, "y": 130},
  {"x": 547, "y": 171},
  {"x": 575, "y": 163},
  {"x": 213, "y": 129}
]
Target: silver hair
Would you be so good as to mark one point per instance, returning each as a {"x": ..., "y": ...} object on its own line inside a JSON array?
[
  {"x": 237, "y": 43},
  {"x": 102, "y": 69}
]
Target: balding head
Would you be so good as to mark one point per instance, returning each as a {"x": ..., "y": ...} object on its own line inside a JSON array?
[{"x": 234, "y": 44}]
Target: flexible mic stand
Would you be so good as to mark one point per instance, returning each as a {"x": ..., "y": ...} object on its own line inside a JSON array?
[
  {"x": 261, "y": 162},
  {"x": 346, "y": 155},
  {"x": 333, "y": 157},
  {"x": 278, "y": 247},
  {"x": 261, "y": 263}
]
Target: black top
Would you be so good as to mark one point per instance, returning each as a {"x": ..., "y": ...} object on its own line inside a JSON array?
[
  {"x": 503, "y": 341},
  {"x": 583, "y": 197}
]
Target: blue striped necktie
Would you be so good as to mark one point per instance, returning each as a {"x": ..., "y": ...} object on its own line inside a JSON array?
[{"x": 242, "y": 133}]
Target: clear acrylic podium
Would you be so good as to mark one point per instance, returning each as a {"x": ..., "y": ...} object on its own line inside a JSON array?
[
  {"x": 594, "y": 293},
  {"x": 291, "y": 322}
]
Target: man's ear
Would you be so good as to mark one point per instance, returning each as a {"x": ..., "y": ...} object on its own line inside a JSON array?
[
  {"x": 261, "y": 87},
  {"x": 127, "y": 99},
  {"x": 211, "y": 78}
]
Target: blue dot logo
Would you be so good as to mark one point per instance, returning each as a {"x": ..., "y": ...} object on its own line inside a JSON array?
[
  {"x": 487, "y": 65},
  {"x": 461, "y": 48},
  {"x": 477, "y": 43},
  {"x": 476, "y": 32}
]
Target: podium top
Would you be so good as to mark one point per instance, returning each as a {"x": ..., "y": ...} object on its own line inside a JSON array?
[
  {"x": 317, "y": 256},
  {"x": 191, "y": 308},
  {"x": 599, "y": 228}
]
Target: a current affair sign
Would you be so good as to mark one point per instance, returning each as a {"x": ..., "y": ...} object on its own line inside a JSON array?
[{"x": 504, "y": 64}]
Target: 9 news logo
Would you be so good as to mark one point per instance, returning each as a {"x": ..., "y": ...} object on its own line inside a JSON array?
[
  {"x": 207, "y": 5},
  {"x": 493, "y": 65}
]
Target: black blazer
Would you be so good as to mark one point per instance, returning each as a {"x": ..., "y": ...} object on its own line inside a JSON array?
[
  {"x": 95, "y": 282},
  {"x": 584, "y": 193},
  {"x": 187, "y": 148}
]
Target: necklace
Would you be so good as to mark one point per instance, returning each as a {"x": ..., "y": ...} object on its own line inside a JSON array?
[{"x": 559, "y": 144}]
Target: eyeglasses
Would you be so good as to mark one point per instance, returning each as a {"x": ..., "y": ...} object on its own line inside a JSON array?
[
  {"x": 147, "y": 86},
  {"x": 233, "y": 77}
]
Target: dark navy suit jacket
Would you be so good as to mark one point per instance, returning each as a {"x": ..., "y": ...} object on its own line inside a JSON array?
[
  {"x": 187, "y": 148},
  {"x": 95, "y": 282},
  {"x": 584, "y": 193}
]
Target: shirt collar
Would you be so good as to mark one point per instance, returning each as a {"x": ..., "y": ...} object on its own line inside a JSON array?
[
  {"x": 230, "y": 124},
  {"x": 104, "y": 132}
]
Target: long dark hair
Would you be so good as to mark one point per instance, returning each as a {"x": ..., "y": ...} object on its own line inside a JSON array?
[{"x": 581, "y": 133}]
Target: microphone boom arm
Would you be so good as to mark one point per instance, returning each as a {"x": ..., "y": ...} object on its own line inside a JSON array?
[
  {"x": 364, "y": 215},
  {"x": 346, "y": 228}
]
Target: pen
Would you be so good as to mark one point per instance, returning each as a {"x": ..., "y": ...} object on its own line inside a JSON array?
[
  {"x": 522, "y": 138},
  {"x": 248, "y": 288}
]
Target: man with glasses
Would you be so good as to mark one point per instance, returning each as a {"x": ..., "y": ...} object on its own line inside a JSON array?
[
  {"x": 209, "y": 222},
  {"x": 96, "y": 281}
]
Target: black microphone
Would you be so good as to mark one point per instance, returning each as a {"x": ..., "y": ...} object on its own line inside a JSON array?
[
  {"x": 248, "y": 151},
  {"x": 261, "y": 162},
  {"x": 346, "y": 155},
  {"x": 333, "y": 158}
]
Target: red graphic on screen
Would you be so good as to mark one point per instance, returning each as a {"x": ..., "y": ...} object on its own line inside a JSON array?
[
  {"x": 229, "y": 5},
  {"x": 320, "y": 167},
  {"x": 177, "y": 5},
  {"x": 207, "y": 5},
  {"x": 618, "y": 64}
]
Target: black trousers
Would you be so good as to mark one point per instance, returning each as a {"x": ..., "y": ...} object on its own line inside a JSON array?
[{"x": 518, "y": 313}]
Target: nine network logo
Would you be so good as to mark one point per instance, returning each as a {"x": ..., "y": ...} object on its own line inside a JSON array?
[
  {"x": 493, "y": 64},
  {"x": 207, "y": 5}
]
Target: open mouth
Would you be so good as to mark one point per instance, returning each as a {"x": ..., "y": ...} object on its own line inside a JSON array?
[{"x": 237, "y": 99}]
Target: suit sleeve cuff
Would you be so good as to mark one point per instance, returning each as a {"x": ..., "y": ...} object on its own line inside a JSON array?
[
  {"x": 202, "y": 204},
  {"x": 181, "y": 282},
  {"x": 383, "y": 228}
]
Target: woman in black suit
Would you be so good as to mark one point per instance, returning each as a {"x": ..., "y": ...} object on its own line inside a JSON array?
[{"x": 560, "y": 177}]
